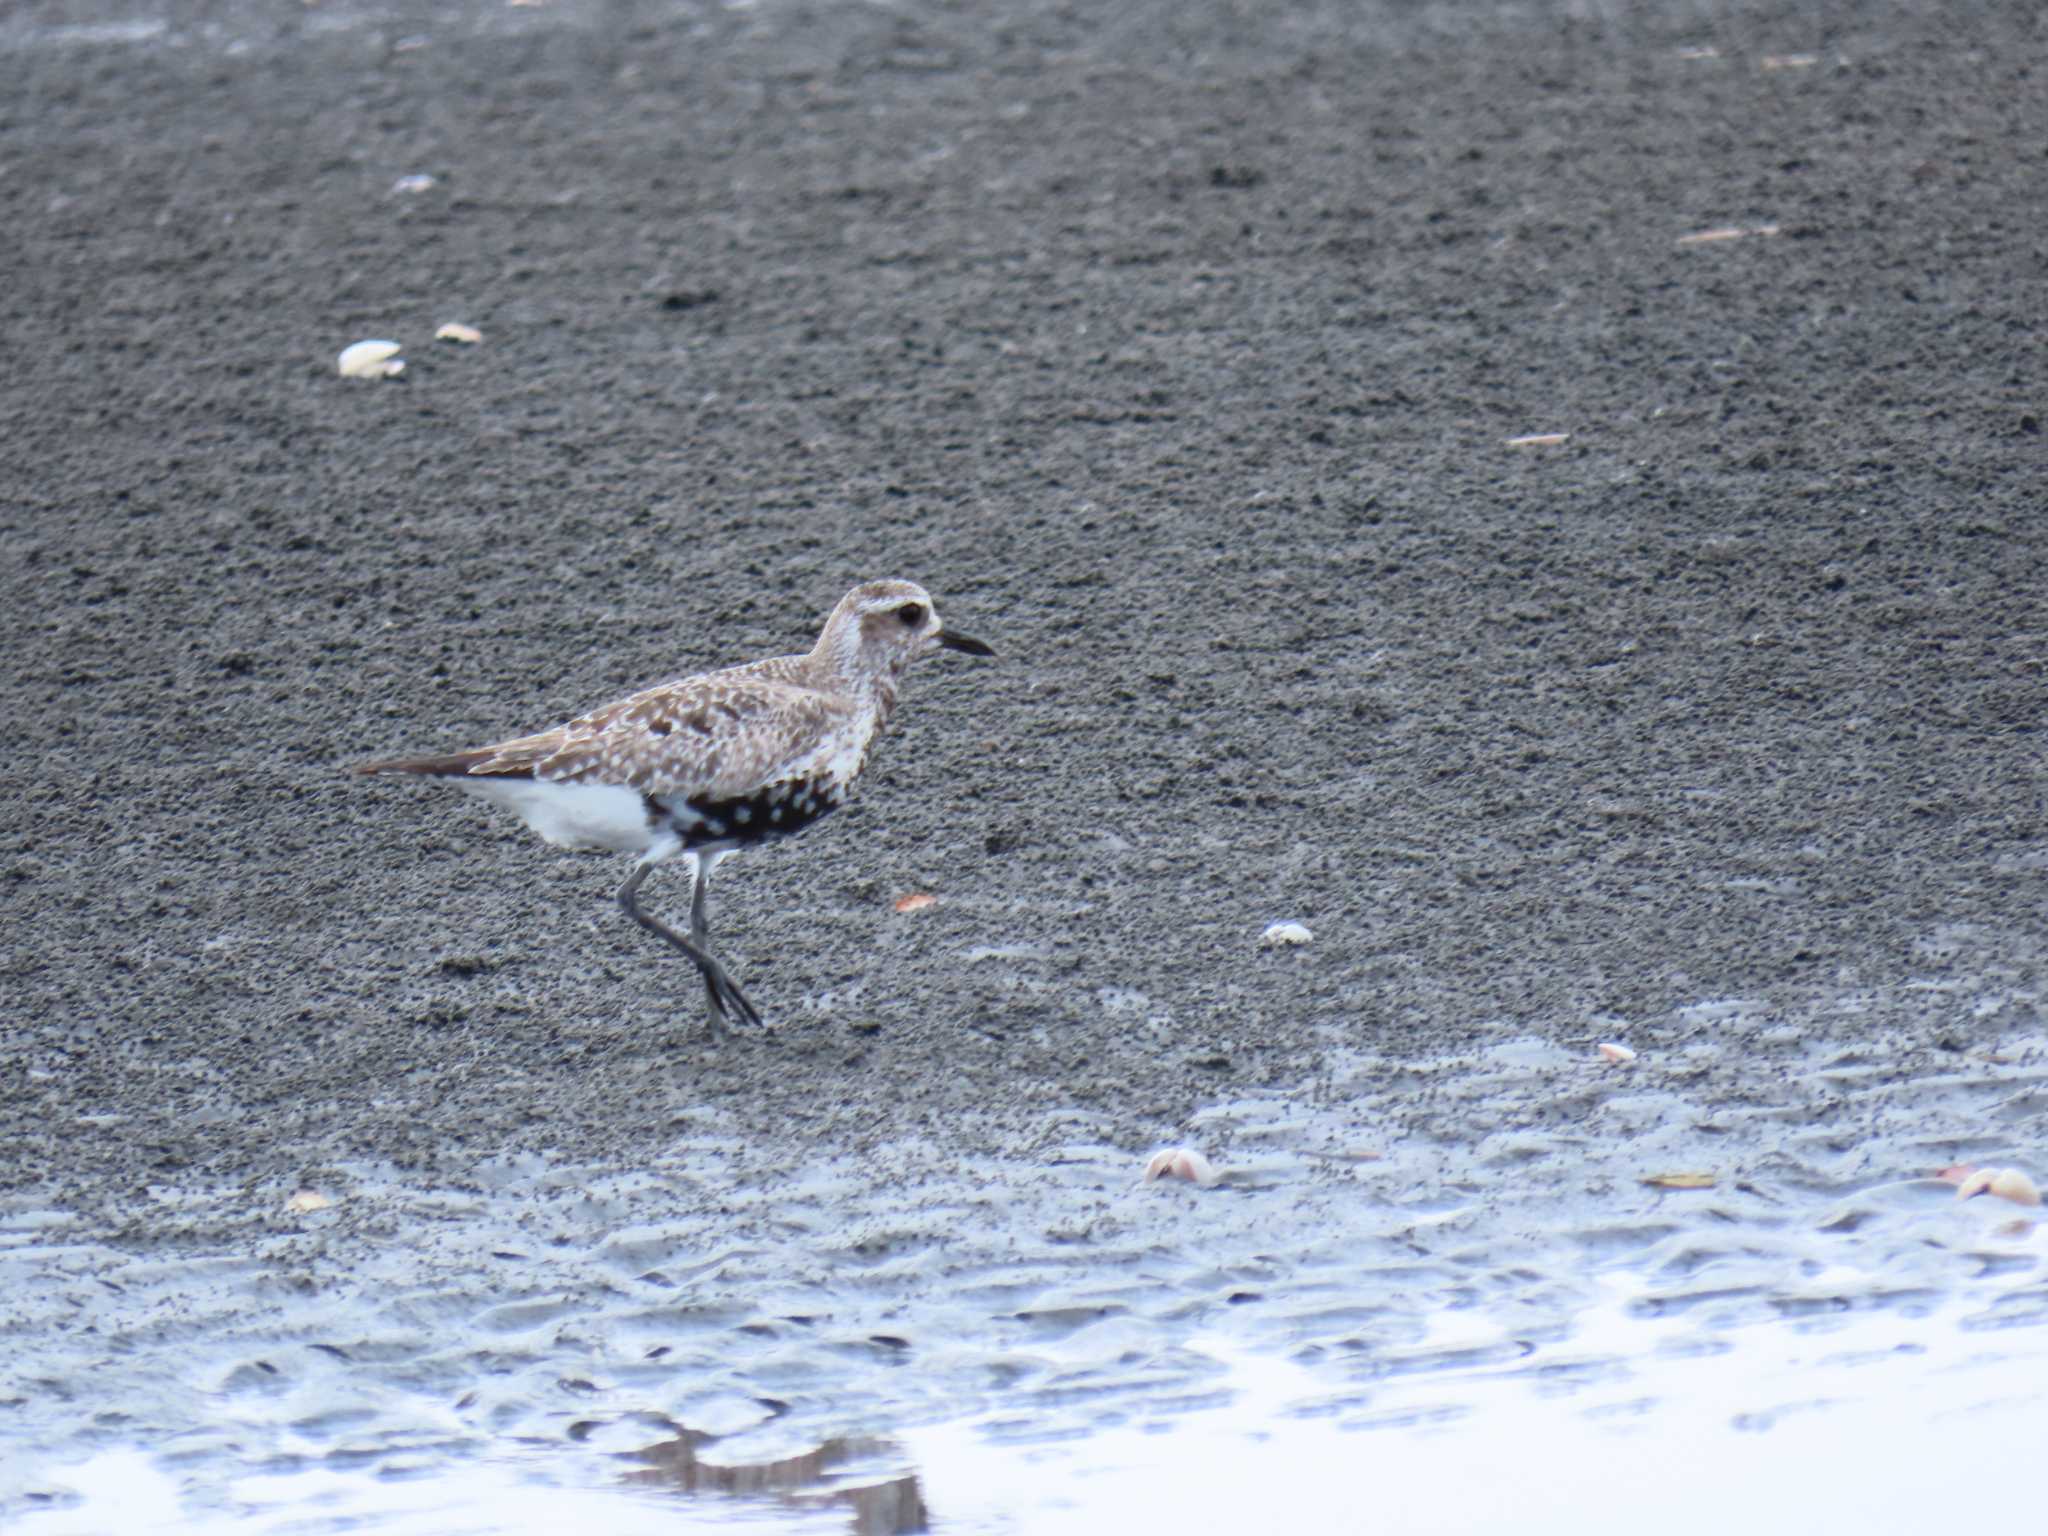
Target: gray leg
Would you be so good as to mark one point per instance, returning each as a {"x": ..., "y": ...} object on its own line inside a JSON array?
[
  {"x": 701, "y": 886},
  {"x": 700, "y": 931},
  {"x": 726, "y": 998}
]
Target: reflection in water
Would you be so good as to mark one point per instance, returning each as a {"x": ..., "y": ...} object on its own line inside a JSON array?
[{"x": 883, "y": 1503}]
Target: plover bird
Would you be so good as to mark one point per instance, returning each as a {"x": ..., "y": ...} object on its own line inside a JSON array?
[{"x": 710, "y": 764}]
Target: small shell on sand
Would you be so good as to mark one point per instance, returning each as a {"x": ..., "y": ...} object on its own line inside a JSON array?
[
  {"x": 1284, "y": 933},
  {"x": 1614, "y": 1051},
  {"x": 468, "y": 335},
  {"x": 1730, "y": 232},
  {"x": 370, "y": 360},
  {"x": 916, "y": 901},
  {"x": 307, "y": 1201},
  {"x": 1539, "y": 440},
  {"x": 1180, "y": 1163},
  {"x": 2006, "y": 1183}
]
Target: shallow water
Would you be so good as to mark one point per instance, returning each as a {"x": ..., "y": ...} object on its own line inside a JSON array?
[
  {"x": 1874, "y": 1421},
  {"x": 1055, "y": 1344}
]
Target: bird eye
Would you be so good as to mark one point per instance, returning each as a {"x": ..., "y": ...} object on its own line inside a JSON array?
[{"x": 911, "y": 614}]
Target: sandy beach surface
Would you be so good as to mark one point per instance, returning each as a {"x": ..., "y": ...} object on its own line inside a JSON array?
[{"x": 1549, "y": 497}]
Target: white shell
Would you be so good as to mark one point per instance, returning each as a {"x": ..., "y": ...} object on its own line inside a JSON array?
[
  {"x": 370, "y": 360},
  {"x": 2007, "y": 1183},
  {"x": 1726, "y": 232},
  {"x": 2013, "y": 1184},
  {"x": 307, "y": 1201},
  {"x": 1180, "y": 1163},
  {"x": 1615, "y": 1051},
  {"x": 1285, "y": 933},
  {"x": 468, "y": 335},
  {"x": 413, "y": 184},
  {"x": 1539, "y": 440}
]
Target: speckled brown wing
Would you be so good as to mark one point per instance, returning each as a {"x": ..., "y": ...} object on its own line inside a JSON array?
[{"x": 715, "y": 737}]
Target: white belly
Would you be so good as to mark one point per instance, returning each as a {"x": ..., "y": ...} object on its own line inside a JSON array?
[{"x": 574, "y": 815}]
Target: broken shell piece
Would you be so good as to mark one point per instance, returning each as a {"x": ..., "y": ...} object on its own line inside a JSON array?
[
  {"x": 371, "y": 360},
  {"x": 413, "y": 184},
  {"x": 1539, "y": 440},
  {"x": 1773, "y": 62},
  {"x": 1285, "y": 933},
  {"x": 1180, "y": 1163},
  {"x": 306, "y": 1201},
  {"x": 1680, "y": 1180},
  {"x": 1614, "y": 1051},
  {"x": 916, "y": 901},
  {"x": 468, "y": 335},
  {"x": 2006, "y": 1183},
  {"x": 2014, "y": 1185},
  {"x": 1976, "y": 1182},
  {"x": 1729, "y": 232}
]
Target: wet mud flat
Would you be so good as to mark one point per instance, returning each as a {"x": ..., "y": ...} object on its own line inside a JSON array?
[{"x": 1547, "y": 498}]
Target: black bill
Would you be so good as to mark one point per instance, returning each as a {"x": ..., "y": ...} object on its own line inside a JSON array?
[{"x": 953, "y": 642}]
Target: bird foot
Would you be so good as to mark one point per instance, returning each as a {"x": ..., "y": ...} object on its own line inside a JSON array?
[{"x": 727, "y": 1001}]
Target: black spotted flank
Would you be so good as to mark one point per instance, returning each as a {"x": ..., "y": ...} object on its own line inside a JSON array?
[{"x": 775, "y": 811}]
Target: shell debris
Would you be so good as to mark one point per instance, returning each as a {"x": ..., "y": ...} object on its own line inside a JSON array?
[
  {"x": 454, "y": 330},
  {"x": 1728, "y": 232},
  {"x": 306, "y": 1201},
  {"x": 1180, "y": 1163},
  {"x": 916, "y": 901},
  {"x": 2007, "y": 1183},
  {"x": 370, "y": 360},
  {"x": 1279, "y": 935},
  {"x": 1615, "y": 1051},
  {"x": 1538, "y": 440},
  {"x": 413, "y": 184}
]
